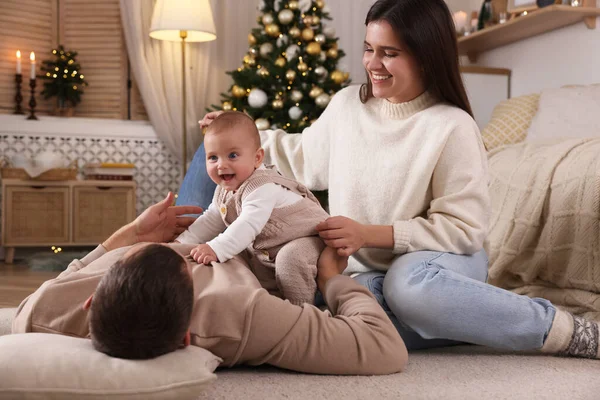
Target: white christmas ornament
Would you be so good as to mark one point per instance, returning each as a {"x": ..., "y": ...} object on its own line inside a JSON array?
[
  {"x": 257, "y": 98},
  {"x": 320, "y": 38},
  {"x": 277, "y": 5},
  {"x": 321, "y": 71},
  {"x": 291, "y": 52},
  {"x": 267, "y": 19},
  {"x": 322, "y": 56},
  {"x": 295, "y": 112},
  {"x": 261, "y": 124},
  {"x": 261, "y": 5},
  {"x": 304, "y": 5},
  {"x": 326, "y": 9},
  {"x": 285, "y": 16},
  {"x": 274, "y": 127},
  {"x": 322, "y": 100},
  {"x": 329, "y": 31},
  {"x": 296, "y": 95},
  {"x": 283, "y": 40},
  {"x": 265, "y": 49}
]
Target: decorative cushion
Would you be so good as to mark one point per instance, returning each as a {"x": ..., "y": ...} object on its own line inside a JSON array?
[
  {"x": 568, "y": 112},
  {"x": 510, "y": 120},
  {"x": 47, "y": 366}
]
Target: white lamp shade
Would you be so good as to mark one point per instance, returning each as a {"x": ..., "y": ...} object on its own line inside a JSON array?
[{"x": 172, "y": 16}]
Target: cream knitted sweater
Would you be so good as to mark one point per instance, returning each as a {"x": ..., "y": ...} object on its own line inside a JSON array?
[{"x": 419, "y": 166}]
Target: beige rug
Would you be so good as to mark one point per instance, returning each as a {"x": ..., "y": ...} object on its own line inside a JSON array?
[{"x": 462, "y": 372}]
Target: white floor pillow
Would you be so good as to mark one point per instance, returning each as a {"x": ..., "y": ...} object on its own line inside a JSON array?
[{"x": 46, "y": 366}]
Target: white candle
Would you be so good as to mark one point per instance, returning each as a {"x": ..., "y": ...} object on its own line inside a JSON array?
[
  {"x": 460, "y": 21},
  {"x": 19, "y": 62},
  {"x": 32, "y": 58}
]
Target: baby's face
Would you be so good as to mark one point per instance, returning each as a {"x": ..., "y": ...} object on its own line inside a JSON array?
[{"x": 231, "y": 157}]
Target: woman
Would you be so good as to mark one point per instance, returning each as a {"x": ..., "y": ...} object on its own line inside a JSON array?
[{"x": 406, "y": 171}]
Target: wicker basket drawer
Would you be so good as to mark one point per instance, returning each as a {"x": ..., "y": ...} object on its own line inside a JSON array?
[
  {"x": 36, "y": 215},
  {"x": 98, "y": 211}
]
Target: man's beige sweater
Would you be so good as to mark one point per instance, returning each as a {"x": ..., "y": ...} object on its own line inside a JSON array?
[
  {"x": 419, "y": 167},
  {"x": 237, "y": 320}
]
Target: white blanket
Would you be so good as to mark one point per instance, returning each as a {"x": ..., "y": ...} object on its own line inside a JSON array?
[{"x": 545, "y": 229}]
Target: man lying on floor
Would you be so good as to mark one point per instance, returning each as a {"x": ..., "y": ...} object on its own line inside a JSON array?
[{"x": 139, "y": 299}]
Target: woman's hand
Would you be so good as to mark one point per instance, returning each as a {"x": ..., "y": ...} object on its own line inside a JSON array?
[
  {"x": 209, "y": 118},
  {"x": 203, "y": 254},
  {"x": 343, "y": 234},
  {"x": 161, "y": 222}
]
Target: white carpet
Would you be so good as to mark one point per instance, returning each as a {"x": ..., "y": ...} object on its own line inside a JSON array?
[{"x": 461, "y": 373}]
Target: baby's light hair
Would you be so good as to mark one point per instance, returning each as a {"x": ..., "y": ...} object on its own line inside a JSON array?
[{"x": 230, "y": 120}]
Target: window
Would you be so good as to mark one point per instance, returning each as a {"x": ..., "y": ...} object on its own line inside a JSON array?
[{"x": 93, "y": 30}]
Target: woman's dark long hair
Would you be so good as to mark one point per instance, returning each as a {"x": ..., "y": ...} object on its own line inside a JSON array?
[{"x": 427, "y": 29}]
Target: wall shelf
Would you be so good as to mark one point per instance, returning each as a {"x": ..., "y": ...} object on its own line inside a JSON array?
[{"x": 523, "y": 27}]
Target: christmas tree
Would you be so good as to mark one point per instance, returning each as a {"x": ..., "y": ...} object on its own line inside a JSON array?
[
  {"x": 289, "y": 73},
  {"x": 63, "y": 78}
]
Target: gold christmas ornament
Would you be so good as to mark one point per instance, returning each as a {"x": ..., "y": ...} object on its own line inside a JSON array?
[
  {"x": 238, "y": 91},
  {"x": 308, "y": 20},
  {"x": 290, "y": 75},
  {"x": 262, "y": 124},
  {"x": 277, "y": 104},
  {"x": 346, "y": 76},
  {"x": 248, "y": 58},
  {"x": 280, "y": 62},
  {"x": 263, "y": 72},
  {"x": 251, "y": 39},
  {"x": 320, "y": 3},
  {"x": 302, "y": 67},
  {"x": 293, "y": 5},
  {"x": 253, "y": 51},
  {"x": 320, "y": 38},
  {"x": 272, "y": 30},
  {"x": 316, "y": 20},
  {"x": 313, "y": 48},
  {"x": 315, "y": 92},
  {"x": 226, "y": 106},
  {"x": 332, "y": 53},
  {"x": 308, "y": 34},
  {"x": 338, "y": 77},
  {"x": 294, "y": 32}
]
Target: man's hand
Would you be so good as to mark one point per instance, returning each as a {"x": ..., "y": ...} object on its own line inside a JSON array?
[
  {"x": 330, "y": 264},
  {"x": 343, "y": 234},
  {"x": 209, "y": 118},
  {"x": 161, "y": 222},
  {"x": 203, "y": 254}
]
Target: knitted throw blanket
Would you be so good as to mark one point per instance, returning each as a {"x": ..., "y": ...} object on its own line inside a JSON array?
[{"x": 544, "y": 236}]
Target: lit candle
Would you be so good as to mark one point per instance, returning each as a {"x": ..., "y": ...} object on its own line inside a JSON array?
[
  {"x": 32, "y": 58},
  {"x": 19, "y": 62},
  {"x": 460, "y": 21}
]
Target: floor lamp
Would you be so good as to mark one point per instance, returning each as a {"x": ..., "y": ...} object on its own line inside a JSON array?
[{"x": 183, "y": 21}]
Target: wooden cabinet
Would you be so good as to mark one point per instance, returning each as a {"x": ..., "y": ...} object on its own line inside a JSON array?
[{"x": 63, "y": 213}]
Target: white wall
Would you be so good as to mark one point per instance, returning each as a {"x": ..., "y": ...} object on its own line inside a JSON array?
[{"x": 569, "y": 55}]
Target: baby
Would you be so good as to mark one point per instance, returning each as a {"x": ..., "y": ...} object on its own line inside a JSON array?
[{"x": 256, "y": 208}]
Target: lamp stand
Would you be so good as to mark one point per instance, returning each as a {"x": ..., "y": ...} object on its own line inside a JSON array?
[{"x": 183, "y": 36}]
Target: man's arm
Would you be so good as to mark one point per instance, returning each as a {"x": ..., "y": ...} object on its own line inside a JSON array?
[{"x": 358, "y": 340}]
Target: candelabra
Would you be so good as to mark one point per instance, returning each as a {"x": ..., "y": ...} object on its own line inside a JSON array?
[
  {"x": 18, "y": 97},
  {"x": 32, "y": 102}
]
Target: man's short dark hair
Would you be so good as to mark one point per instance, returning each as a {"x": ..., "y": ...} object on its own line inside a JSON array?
[{"x": 142, "y": 307}]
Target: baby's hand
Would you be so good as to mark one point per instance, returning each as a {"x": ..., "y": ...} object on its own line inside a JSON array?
[{"x": 203, "y": 254}]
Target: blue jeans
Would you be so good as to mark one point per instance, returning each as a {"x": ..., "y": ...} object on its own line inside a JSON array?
[
  {"x": 439, "y": 299},
  {"x": 197, "y": 189}
]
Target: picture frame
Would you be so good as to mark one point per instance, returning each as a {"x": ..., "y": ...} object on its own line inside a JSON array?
[{"x": 519, "y": 6}]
